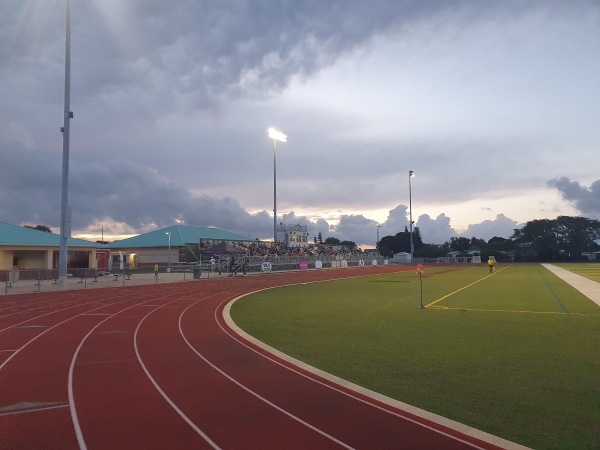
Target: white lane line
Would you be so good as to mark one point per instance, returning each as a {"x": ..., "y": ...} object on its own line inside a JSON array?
[
  {"x": 46, "y": 331},
  {"x": 74, "y": 416},
  {"x": 36, "y": 308},
  {"x": 31, "y": 410},
  {"x": 159, "y": 389},
  {"x": 255, "y": 394},
  {"x": 106, "y": 361},
  {"x": 17, "y": 325}
]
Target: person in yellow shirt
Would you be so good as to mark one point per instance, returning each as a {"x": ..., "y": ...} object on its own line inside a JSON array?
[
  {"x": 491, "y": 264},
  {"x": 156, "y": 272}
]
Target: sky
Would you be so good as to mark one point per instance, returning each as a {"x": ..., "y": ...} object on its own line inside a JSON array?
[{"x": 493, "y": 104}]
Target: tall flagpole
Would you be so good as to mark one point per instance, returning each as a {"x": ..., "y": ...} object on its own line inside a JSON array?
[{"x": 65, "y": 229}]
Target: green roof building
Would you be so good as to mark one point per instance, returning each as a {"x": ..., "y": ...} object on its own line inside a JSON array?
[
  {"x": 171, "y": 245},
  {"x": 23, "y": 248}
]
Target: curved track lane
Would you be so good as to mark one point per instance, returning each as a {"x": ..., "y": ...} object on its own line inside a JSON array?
[{"x": 154, "y": 367}]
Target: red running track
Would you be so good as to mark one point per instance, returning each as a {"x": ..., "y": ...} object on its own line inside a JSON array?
[{"x": 157, "y": 367}]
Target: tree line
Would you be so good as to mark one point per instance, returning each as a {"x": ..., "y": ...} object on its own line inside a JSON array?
[{"x": 562, "y": 239}]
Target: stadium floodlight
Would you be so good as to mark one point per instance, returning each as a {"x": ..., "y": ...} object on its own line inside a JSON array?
[
  {"x": 276, "y": 135},
  {"x": 168, "y": 233},
  {"x": 412, "y": 247}
]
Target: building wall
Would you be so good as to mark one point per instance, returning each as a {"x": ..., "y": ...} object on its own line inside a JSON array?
[
  {"x": 144, "y": 257},
  {"x": 6, "y": 259},
  {"x": 292, "y": 235},
  {"x": 31, "y": 259},
  {"x": 39, "y": 258}
]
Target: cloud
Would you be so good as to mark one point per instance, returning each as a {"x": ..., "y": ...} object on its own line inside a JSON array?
[
  {"x": 121, "y": 190},
  {"x": 435, "y": 231},
  {"x": 502, "y": 226},
  {"x": 356, "y": 228},
  {"x": 586, "y": 200},
  {"x": 172, "y": 101},
  {"x": 201, "y": 52}
]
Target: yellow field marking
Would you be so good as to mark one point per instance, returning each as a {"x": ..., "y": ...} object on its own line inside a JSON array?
[
  {"x": 463, "y": 288},
  {"x": 512, "y": 311}
]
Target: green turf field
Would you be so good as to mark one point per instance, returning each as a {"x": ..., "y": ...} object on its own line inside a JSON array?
[{"x": 516, "y": 354}]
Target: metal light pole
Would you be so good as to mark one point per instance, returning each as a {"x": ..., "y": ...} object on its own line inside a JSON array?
[
  {"x": 276, "y": 135},
  {"x": 64, "y": 198},
  {"x": 169, "y": 234},
  {"x": 378, "y": 227},
  {"x": 412, "y": 247}
]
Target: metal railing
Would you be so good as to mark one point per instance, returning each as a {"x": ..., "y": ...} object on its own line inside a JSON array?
[{"x": 207, "y": 267}]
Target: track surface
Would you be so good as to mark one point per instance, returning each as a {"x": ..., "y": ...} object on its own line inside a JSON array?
[{"x": 156, "y": 367}]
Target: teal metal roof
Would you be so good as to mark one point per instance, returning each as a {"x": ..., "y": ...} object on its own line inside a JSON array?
[
  {"x": 180, "y": 235},
  {"x": 16, "y": 235}
]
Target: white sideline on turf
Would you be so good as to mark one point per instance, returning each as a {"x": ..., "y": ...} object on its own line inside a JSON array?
[{"x": 589, "y": 288}]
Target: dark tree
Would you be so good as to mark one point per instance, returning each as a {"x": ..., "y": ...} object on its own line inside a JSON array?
[
  {"x": 500, "y": 244},
  {"x": 576, "y": 235},
  {"x": 400, "y": 242},
  {"x": 349, "y": 244},
  {"x": 434, "y": 250},
  {"x": 460, "y": 244},
  {"x": 562, "y": 238},
  {"x": 39, "y": 227},
  {"x": 539, "y": 236},
  {"x": 388, "y": 246}
]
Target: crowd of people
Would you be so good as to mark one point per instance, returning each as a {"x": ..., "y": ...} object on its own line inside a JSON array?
[{"x": 269, "y": 250}]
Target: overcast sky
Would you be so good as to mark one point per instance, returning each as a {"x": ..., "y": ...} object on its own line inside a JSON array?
[{"x": 494, "y": 104}]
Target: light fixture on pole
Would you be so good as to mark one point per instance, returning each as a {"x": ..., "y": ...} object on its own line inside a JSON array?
[
  {"x": 276, "y": 135},
  {"x": 168, "y": 233},
  {"x": 412, "y": 247}
]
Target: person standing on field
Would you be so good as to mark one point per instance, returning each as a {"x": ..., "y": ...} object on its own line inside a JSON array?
[
  {"x": 156, "y": 272},
  {"x": 491, "y": 264}
]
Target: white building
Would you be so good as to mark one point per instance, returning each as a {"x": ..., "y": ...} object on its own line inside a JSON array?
[
  {"x": 402, "y": 257},
  {"x": 292, "y": 235}
]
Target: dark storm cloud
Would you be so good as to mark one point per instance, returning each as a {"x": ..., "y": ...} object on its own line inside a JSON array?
[
  {"x": 208, "y": 49},
  {"x": 197, "y": 51},
  {"x": 121, "y": 190},
  {"x": 586, "y": 200},
  {"x": 118, "y": 190},
  {"x": 171, "y": 100}
]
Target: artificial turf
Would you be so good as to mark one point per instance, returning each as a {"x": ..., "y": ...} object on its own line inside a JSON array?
[{"x": 515, "y": 354}]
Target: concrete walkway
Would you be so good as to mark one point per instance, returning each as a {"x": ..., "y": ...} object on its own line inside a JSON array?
[{"x": 589, "y": 288}]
